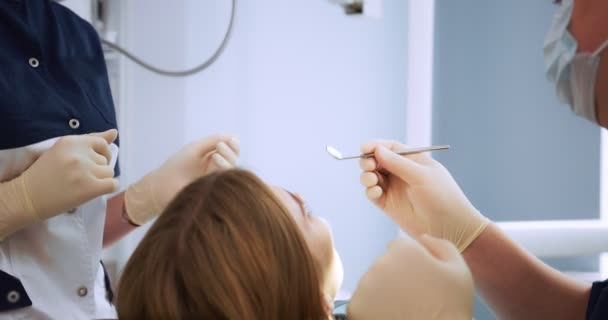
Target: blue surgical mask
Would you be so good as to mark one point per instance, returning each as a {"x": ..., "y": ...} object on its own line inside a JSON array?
[{"x": 574, "y": 74}]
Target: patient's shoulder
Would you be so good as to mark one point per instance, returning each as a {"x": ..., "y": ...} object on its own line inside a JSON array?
[{"x": 340, "y": 309}]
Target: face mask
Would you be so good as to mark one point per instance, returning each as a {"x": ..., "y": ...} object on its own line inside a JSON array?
[{"x": 574, "y": 74}]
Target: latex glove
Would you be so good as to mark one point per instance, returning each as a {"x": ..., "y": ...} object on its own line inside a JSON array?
[
  {"x": 420, "y": 195},
  {"x": 149, "y": 196},
  {"x": 420, "y": 281},
  {"x": 75, "y": 170}
]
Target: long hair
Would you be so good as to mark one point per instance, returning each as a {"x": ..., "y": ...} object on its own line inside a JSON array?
[{"x": 225, "y": 248}]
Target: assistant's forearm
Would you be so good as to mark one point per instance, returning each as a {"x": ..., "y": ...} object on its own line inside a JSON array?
[
  {"x": 517, "y": 285},
  {"x": 116, "y": 226}
]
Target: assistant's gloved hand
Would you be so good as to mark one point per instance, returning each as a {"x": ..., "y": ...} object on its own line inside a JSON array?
[
  {"x": 420, "y": 195},
  {"x": 427, "y": 280},
  {"x": 149, "y": 196},
  {"x": 75, "y": 170}
]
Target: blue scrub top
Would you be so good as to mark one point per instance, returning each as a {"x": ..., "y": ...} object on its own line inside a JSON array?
[
  {"x": 597, "y": 308},
  {"x": 53, "y": 77},
  {"x": 53, "y": 82}
]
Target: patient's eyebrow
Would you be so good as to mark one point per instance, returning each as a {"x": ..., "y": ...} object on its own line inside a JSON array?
[{"x": 297, "y": 200}]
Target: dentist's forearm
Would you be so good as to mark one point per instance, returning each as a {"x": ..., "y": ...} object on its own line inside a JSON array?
[{"x": 517, "y": 285}]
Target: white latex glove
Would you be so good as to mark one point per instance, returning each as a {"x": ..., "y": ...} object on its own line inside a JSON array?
[
  {"x": 75, "y": 170},
  {"x": 418, "y": 281},
  {"x": 420, "y": 195},
  {"x": 149, "y": 196}
]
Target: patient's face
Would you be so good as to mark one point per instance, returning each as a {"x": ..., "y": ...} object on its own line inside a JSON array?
[{"x": 319, "y": 238}]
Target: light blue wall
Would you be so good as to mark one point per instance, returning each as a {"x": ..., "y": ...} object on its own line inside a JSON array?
[
  {"x": 517, "y": 152},
  {"x": 297, "y": 76}
]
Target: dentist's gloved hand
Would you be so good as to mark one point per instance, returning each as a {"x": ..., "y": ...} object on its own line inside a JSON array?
[
  {"x": 149, "y": 196},
  {"x": 75, "y": 170},
  {"x": 427, "y": 280},
  {"x": 420, "y": 195}
]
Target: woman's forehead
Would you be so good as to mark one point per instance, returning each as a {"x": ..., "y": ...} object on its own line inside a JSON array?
[
  {"x": 289, "y": 201},
  {"x": 285, "y": 196}
]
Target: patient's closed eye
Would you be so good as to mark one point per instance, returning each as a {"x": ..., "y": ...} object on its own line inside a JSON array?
[{"x": 307, "y": 209}]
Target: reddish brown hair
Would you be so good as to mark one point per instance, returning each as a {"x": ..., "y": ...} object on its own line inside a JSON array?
[{"x": 225, "y": 248}]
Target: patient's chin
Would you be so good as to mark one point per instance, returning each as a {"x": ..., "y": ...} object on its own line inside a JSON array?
[{"x": 335, "y": 276}]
